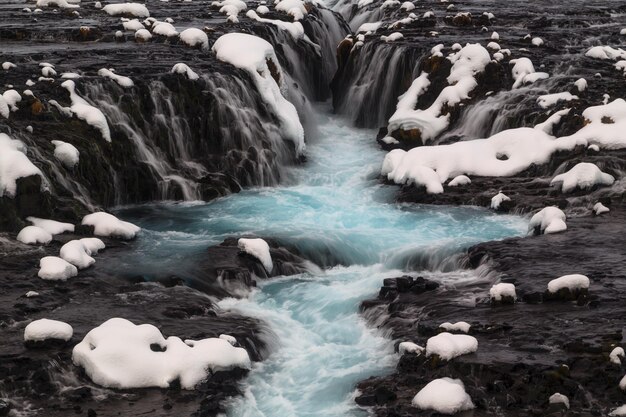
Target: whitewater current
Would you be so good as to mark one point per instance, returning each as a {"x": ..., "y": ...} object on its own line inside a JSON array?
[{"x": 334, "y": 204}]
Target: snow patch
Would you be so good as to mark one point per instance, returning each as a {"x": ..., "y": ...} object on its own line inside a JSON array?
[
  {"x": 548, "y": 220},
  {"x": 128, "y": 9},
  {"x": 33, "y": 235},
  {"x": 51, "y": 226},
  {"x": 571, "y": 282},
  {"x": 86, "y": 111},
  {"x": 443, "y": 395},
  {"x": 43, "y": 329},
  {"x": 460, "y": 326},
  {"x": 259, "y": 249},
  {"x": 14, "y": 164},
  {"x": 66, "y": 153},
  {"x": 448, "y": 346},
  {"x": 184, "y": 69},
  {"x": 195, "y": 37}
]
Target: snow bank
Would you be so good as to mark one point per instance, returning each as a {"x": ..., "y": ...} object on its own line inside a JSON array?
[
  {"x": 118, "y": 354},
  {"x": 127, "y": 9},
  {"x": 583, "y": 175},
  {"x": 409, "y": 347},
  {"x": 558, "y": 398},
  {"x": 76, "y": 253},
  {"x": 14, "y": 164},
  {"x": 448, "y": 346},
  {"x": 548, "y": 220},
  {"x": 33, "y": 235},
  {"x": 66, "y": 153},
  {"x": 43, "y": 329},
  {"x": 194, "y": 37},
  {"x": 549, "y": 100},
  {"x": 184, "y": 69},
  {"x": 498, "y": 199},
  {"x": 459, "y": 180},
  {"x": 501, "y": 290},
  {"x": 121, "y": 80},
  {"x": 51, "y": 226},
  {"x": 617, "y": 355},
  {"x": 259, "y": 249},
  {"x": 444, "y": 395},
  {"x": 56, "y": 269},
  {"x": 257, "y": 57},
  {"x": 460, "y": 326},
  {"x": 600, "y": 208},
  {"x": 106, "y": 224},
  {"x": 571, "y": 282},
  {"x": 86, "y": 111}
]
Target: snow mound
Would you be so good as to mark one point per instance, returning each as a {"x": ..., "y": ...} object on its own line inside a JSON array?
[
  {"x": 558, "y": 398},
  {"x": 618, "y": 412},
  {"x": 584, "y": 175},
  {"x": 184, "y": 69},
  {"x": 443, "y": 395},
  {"x": 194, "y": 37},
  {"x": 76, "y": 253},
  {"x": 409, "y": 347},
  {"x": 14, "y": 164},
  {"x": 51, "y": 226},
  {"x": 498, "y": 199},
  {"x": 12, "y": 97},
  {"x": 369, "y": 27},
  {"x": 33, "y": 235},
  {"x": 294, "y": 8},
  {"x": 571, "y": 282},
  {"x": 119, "y": 354},
  {"x": 127, "y": 9},
  {"x": 164, "y": 29},
  {"x": 143, "y": 35},
  {"x": 257, "y": 57},
  {"x": 548, "y": 220},
  {"x": 606, "y": 52},
  {"x": 460, "y": 326},
  {"x": 132, "y": 24},
  {"x": 86, "y": 111},
  {"x": 295, "y": 29},
  {"x": 600, "y": 208},
  {"x": 501, "y": 290},
  {"x": 106, "y": 224},
  {"x": 66, "y": 153},
  {"x": 121, "y": 80},
  {"x": 54, "y": 268},
  {"x": 231, "y": 8},
  {"x": 93, "y": 244},
  {"x": 6, "y": 65},
  {"x": 448, "y": 346},
  {"x": 61, "y": 4},
  {"x": 523, "y": 72},
  {"x": 230, "y": 339},
  {"x": 549, "y": 100},
  {"x": 259, "y": 249},
  {"x": 43, "y": 329},
  {"x": 617, "y": 355},
  {"x": 459, "y": 180},
  {"x": 580, "y": 84}
]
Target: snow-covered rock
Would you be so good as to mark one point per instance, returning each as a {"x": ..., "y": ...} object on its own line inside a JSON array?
[
  {"x": 121, "y": 80},
  {"x": 44, "y": 329},
  {"x": 558, "y": 398},
  {"x": 51, "y": 226},
  {"x": 14, "y": 164},
  {"x": 503, "y": 291},
  {"x": 584, "y": 175},
  {"x": 617, "y": 355},
  {"x": 549, "y": 100},
  {"x": 294, "y": 8},
  {"x": 66, "y": 153},
  {"x": 548, "y": 220},
  {"x": 143, "y": 35},
  {"x": 600, "y": 208},
  {"x": 580, "y": 84},
  {"x": 459, "y": 180},
  {"x": 536, "y": 41},
  {"x": 76, "y": 253},
  {"x": 118, "y": 354},
  {"x": 194, "y": 37},
  {"x": 93, "y": 244},
  {"x": 184, "y": 69},
  {"x": 133, "y": 24},
  {"x": 523, "y": 72},
  {"x": 127, "y": 9},
  {"x": 448, "y": 346},
  {"x": 443, "y": 395},
  {"x": 498, "y": 199},
  {"x": 11, "y": 98},
  {"x": 259, "y": 249},
  {"x": 33, "y": 235},
  {"x": 295, "y": 29},
  {"x": 106, "y": 224},
  {"x": 619, "y": 411},
  {"x": 86, "y": 111},
  {"x": 230, "y": 339},
  {"x": 61, "y": 4},
  {"x": 571, "y": 282},
  {"x": 459, "y": 326},
  {"x": 164, "y": 29},
  {"x": 409, "y": 347},
  {"x": 54, "y": 268}
]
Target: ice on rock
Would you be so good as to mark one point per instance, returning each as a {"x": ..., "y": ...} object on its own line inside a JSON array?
[
  {"x": 617, "y": 355},
  {"x": 106, "y": 224},
  {"x": 502, "y": 290},
  {"x": 184, "y": 69},
  {"x": 130, "y": 9},
  {"x": 118, "y": 354},
  {"x": 583, "y": 176},
  {"x": 51, "y": 226},
  {"x": 194, "y": 37},
  {"x": 600, "y": 208},
  {"x": 54, "y": 268},
  {"x": 460, "y": 326},
  {"x": 571, "y": 282},
  {"x": 262, "y": 9},
  {"x": 259, "y": 249},
  {"x": 407, "y": 6},
  {"x": 48, "y": 72},
  {"x": 256, "y": 55},
  {"x": 44, "y": 329},
  {"x": 443, "y": 395},
  {"x": 448, "y": 346},
  {"x": 409, "y": 347},
  {"x": 548, "y": 220},
  {"x": 66, "y": 153},
  {"x": 459, "y": 180},
  {"x": 498, "y": 199},
  {"x": 86, "y": 111},
  {"x": 33, "y": 235},
  {"x": 121, "y": 80},
  {"x": 14, "y": 164},
  {"x": 558, "y": 398},
  {"x": 537, "y": 41},
  {"x": 76, "y": 253}
]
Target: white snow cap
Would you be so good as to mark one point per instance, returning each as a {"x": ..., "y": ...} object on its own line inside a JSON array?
[
  {"x": 54, "y": 268},
  {"x": 132, "y": 24},
  {"x": 549, "y": 100},
  {"x": 164, "y": 29},
  {"x": 548, "y": 220},
  {"x": 294, "y": 8},
  {"x": 583, "y": 175},
  {"x": 93, "y": 244},
  {"x": 12, "y": 97},
  {"x": 51, "y": 226},
  {"x": 448, "y": 346},
  {"x": 409, "y": 347},
  {"x": 195, "y": 37},
  {"x": 33, "y": 235},
  {"x": 230, "y": 339},
  {"x": 600, "y": 208},
  {"x": 259, "y": 249},
  {"x": 571, "y": 282},
  {"x": 133, "y": 9},
  {"x": 66, "y": 153},
  {"x": 106, "y": 224},
  {"x": 459, "y": 180},
  {"x": 523, "y": 72},
  {"x": 502, "y": 289},
  {"x": 443, "y": 395},
  {"x": 14, "y": 164},
  {"x": 143, "y": 35},
  {"x": 43, "y": 329},
  {"x": 619, "y": 411},
  {"x": 580, "y": 84},
  {"x": 86, "y": 111},
  {"x": 121, "y": 80},
  {"x": 616, "y": 355},
  {"x": 76, "y": 253},
  {"x": 498, "y": 199},
  {"x": 459, "y": 326},
  {"x": 184, "y": 69},
  {"x": 558, "y": 398},
  {"x": 118, "y": 354},
  {"x": 6, "y": 65},
  {"x": 253, "y": 55},
  {"x": 537, "y": 41}
]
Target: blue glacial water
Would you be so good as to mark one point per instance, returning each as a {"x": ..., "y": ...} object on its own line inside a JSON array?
[{"x": 333, "y": 205}]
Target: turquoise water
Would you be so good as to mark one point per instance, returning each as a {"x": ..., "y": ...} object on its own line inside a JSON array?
[{"x": 333, "y": 209}]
